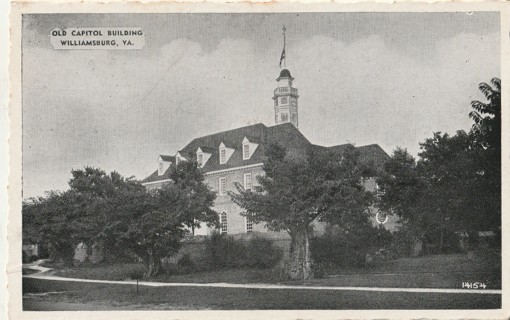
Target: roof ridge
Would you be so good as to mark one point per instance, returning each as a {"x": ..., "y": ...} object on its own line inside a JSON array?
[{"x": 223, "y": 132}]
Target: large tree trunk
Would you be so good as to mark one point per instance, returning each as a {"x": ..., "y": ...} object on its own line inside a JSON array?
[
  {"x": 299, "y": 264},
  {"x": 152, "y": 264}
]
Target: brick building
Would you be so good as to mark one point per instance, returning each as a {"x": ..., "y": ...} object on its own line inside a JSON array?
[{"x": 237, "y": 156}]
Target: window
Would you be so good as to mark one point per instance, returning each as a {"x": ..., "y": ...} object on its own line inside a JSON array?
[
  {"x": 285, "y": 117},
  {"x": 223, "y": 156},
  {"x": 161, "y": 168},
  {"x": 223, "y": 222},
  {"x": 222, "y": 185},
  {"x": 246, "y": 151},
  {"x": 381, "y": 217},
  {"x": 283, "y": 101},
  {"x": 247, "y": 181},
  {"x": 249, "y": 225},
  {"x": 200, "y": 159}
]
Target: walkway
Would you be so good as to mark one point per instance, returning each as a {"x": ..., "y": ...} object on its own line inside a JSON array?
[{"x": 45, "y": 275}]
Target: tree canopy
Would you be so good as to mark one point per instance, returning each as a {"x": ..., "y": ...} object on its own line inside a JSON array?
[
  {"x": 120, "y": 215},
  {"x": 455, "y": 186},
  {"x": 296, "y": 191}
]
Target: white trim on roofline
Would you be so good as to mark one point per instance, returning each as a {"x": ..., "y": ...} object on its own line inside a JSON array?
[
  {"x": 234, "y": 169},
  {"x": 153, "y": 182}
]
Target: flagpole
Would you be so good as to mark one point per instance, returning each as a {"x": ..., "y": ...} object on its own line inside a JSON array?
[{"x": 283, "y": 56}]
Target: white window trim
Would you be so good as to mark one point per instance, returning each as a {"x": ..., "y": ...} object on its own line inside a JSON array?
[
  {"x": 205, "y": 157},
  {"x": 245, "y": 176},
  {"x": 251, "y": 148},
  {"x": 221, "y": 223},
  {"x": 222, "y": 191},
  {"x": 246, "y": 147},
  {"x": 377, "y": 217},
  {"x": 163, "y": 166},
  {"x": 223, "y": 151},
  {"x": 246, "y": 225},
  {"x": 228, "y": 153}
]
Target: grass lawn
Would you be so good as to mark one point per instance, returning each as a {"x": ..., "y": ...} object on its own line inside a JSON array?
[
  {"x": 436, "y": 271},
  {"x": 94, "y": 296}
]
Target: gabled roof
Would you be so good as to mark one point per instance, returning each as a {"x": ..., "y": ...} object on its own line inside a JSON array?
[
  {"x": 206, "y": 149},
  {"x": 167, "y": 158},
  {"x": 373, "y": 152},
  {"x": 286, "y": 135},
  {"x": 253, "y": 139},
  {"x": 231, "y": 139},
  {"x": 156, "y": 177}
]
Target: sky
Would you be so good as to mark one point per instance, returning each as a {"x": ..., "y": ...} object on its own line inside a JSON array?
[{"x": 386, "y": 78}]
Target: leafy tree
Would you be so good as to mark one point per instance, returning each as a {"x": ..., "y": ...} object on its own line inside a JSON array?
[
  {"x": 447, "y": 167},
  {"x": 195, "y": 197},
  {"x": 120, "y": 215},
  {"x": 486, "y": 133},
  {"x": 154, "y": 230},
  {"x": 456, "y": 184},
  {"x": 487, "y": 116},
  {"x": 400, "y": 184},
  {"x": 110, "y": 198},
  {"x": 295, "y": 191},
  {"x": 55, "y": 221},
  {"x": 156, "y": 225}
]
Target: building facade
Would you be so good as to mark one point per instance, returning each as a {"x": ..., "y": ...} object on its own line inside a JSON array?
[{"x": 237, "y": 157}]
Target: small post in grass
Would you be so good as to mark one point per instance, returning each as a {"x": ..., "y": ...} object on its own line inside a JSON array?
[{"x": 136, "y": 276}]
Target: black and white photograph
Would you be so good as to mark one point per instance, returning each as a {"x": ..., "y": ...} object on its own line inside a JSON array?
[{"x": 276, "y": 160}]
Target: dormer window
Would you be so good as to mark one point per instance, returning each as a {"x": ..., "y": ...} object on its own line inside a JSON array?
[
  {"x": 225, "y": 153},
  {"x": 179, "y": 158},
  {"x": 223, "y": 156},
  {"x": 246, "y": 151},
  {"x": 164, "y": 163},
  {"x": 249, "y": 147},
  {"x": 203, "y": 155}
]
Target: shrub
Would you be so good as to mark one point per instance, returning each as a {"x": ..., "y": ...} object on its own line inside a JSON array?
[
  {"x": 349, "y": 248},
  {"x": 185, "y": 261},
  {"x": 319, "y": 270},
  {"x": 261, "y": 253},
  {"x": 225, "y": 252},
  {"x": 136, "y": 274}
]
